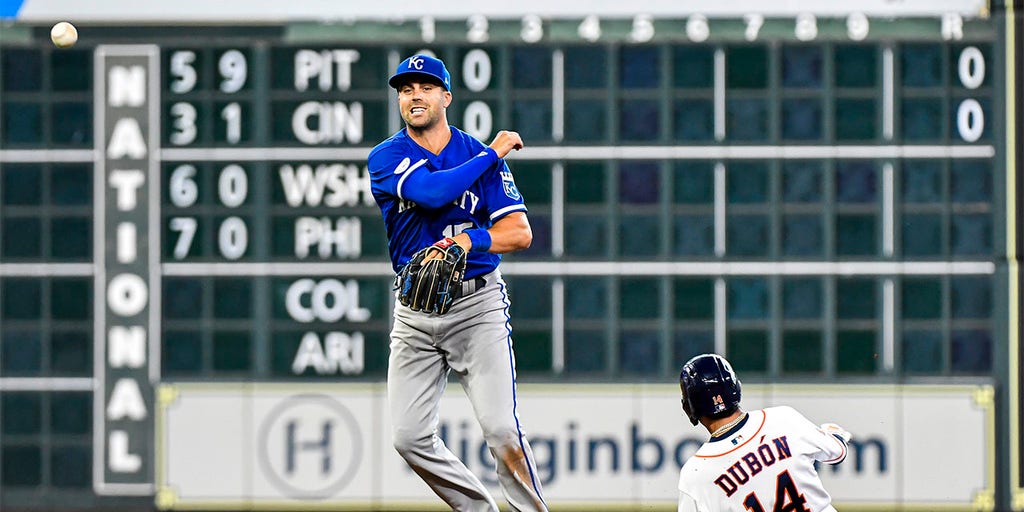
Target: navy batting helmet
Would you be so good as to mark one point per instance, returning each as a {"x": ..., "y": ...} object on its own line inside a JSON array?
[{"x": 709, "y": 386}]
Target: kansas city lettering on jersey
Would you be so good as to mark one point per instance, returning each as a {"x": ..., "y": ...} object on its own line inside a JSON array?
[
  {"x": 405, "y": 204},
  {"x": 470, "y": 198},
  {"x": 752, "y": 463},
  {"x": 468, "y": 201}
]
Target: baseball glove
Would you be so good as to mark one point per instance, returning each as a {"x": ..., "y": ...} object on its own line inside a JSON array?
[{"x": 428, "y": 286}]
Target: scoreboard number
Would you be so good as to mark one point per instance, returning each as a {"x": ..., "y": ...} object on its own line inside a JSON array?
[
  {"x": 970, "y": 117},
  {"x": 753, "y": 23},
  {"x": 183, "y": 192},
  {"x": 186, "y": 228},
  {"x": 234, "y": 70},
  {"x": 232, "y": 73},
  {"x": 185, "y": 130},
  {"x": 233, "y": 186},
  {"x": 182, "y": 187},
  {"x": 428, "y": 29},
  {"x": 232, "y": 116},
  {"x": 806, "y": 27},
  {"x": 643, "y": 28},
  {"x": 476, "y": 70},
  {"x": 184, "y": 73},
  {"x": 970, "y": 120},
  {"x": 857, "y": 26},
  {"x": 233, "y": 238},
  {"x": 590, "y": 28},
  {"x": 232, "y": 192},
  {"x": 532, "y": 29},
  {"x": 477, "y": 26},
  {"x": 971, "y": 67},
  {"x": 697, "y": 28}
]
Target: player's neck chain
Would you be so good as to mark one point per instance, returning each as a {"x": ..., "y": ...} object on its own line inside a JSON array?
[{"x": 729, "y": 425}]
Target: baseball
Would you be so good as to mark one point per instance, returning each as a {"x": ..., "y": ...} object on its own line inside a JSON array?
[{"x": 64, "y": 35}]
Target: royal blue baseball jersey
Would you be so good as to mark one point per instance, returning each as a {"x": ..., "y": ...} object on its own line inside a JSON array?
[{"x": 412, "y": 226}]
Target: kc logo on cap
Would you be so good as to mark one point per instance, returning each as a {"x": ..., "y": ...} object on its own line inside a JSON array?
[{"x": 421, "y": 65}]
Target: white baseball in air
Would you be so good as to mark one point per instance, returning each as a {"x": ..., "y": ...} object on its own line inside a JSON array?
[{"x": 64, "y": 35}]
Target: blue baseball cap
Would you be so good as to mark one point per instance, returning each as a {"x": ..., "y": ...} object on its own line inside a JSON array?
[{"x": 421, "y": 65}]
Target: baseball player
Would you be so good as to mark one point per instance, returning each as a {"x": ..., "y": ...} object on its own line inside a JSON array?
[
  {"x": 438, "y": 186},
  {"x": 759, "y": 461}
]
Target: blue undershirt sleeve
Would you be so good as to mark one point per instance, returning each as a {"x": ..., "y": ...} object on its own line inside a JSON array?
[{"x": 438, "y": 188}]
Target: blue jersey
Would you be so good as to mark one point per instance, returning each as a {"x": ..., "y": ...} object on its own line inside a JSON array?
[{"x": 413, "y": 223}]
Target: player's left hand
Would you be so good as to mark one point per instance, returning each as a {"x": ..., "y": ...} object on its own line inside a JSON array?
[
  {"x": 836, "y": 430},
  {"x": 426, "y": 283}
]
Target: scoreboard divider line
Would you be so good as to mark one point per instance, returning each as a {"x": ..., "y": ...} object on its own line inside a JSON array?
[
  {"x": 278, "y": 269},
  {"x": 632, "y": 268},
  {"x": 719, "y": 93},
  {"x": 46, "y": 269},
  {"x": 47, "y": 383},
  {"x": 153, "y": 212},
  {"x": 49, "y": 155},
  {"x": 1012, "y": 41},
  {"x": 710, "y": 152},
  {"x": 888, "y": 93},
  {"x": 97, "y": 155},
  {"x": 383, "y": 269}
]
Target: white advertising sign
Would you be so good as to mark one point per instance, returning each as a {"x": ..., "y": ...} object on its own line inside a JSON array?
[{"x": 598, "y": 447}]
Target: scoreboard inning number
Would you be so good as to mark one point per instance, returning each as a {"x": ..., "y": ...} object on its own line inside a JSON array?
[{"x": 643, "y": 28}]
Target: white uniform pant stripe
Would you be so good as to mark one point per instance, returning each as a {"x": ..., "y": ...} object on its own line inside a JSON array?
[{"x": 530, "y": 463}]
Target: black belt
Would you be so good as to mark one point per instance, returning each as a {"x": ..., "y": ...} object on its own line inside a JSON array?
[{"x": 469, "y": 287}]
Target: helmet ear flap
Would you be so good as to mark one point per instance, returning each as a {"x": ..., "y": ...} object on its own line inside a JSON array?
[{"x": 688, "y": 410}]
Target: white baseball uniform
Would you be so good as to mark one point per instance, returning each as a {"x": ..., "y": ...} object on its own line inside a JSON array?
[{"x": 764, "y": 464}]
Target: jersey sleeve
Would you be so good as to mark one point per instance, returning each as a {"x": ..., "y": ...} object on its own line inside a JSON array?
[
  {"x": 687, "y": 503},
  {"x": 411, "y": 178},
  {"x": 501, "y": 193},
  {"x": 385, "y": 163},
  {"x": 828, "y": 448}
]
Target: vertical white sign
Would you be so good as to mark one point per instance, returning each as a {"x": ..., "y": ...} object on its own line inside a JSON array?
[{"x": 127, "y": 282}]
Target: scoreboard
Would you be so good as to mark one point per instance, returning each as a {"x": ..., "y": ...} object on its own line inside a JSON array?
[{"x": 817, "y": 195}]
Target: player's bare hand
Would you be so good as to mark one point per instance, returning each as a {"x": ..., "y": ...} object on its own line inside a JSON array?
[{"x": 505, "y": 141}]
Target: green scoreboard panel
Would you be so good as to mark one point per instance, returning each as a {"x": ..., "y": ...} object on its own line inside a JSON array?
[{"x": 815, "y": 197}]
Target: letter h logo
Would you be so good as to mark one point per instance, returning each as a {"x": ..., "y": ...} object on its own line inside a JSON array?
[{"x": 293, "y": 445}]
